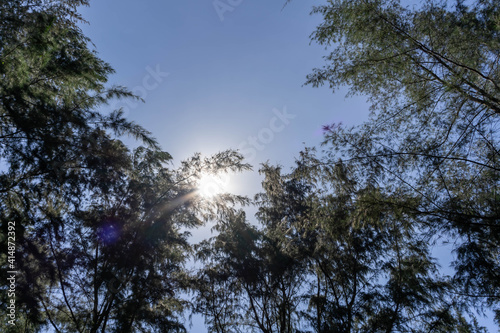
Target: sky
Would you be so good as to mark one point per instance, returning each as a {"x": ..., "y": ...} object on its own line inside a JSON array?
[
  {"x": 216, "y": 76},
  {"x": 213, "y": 80},
  {"x": 223, "y": 74}
]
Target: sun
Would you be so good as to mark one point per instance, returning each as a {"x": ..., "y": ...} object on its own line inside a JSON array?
[{"x": 210, "y": 185}]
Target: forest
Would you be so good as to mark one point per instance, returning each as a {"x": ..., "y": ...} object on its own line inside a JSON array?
[{"x": 95, "y": 233}]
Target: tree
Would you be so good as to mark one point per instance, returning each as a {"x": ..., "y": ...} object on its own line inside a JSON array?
[
  {"x": 119, "y": 264},
  {"x": 330, "y": 256},
  {"x": 262, "y": 281},
  {"x": 54, "y": 146},
  {"x": 99, "y": 245},
  {"x": 431, "y": 74},
  {"x": 367, "y": 268},
  {"x": 219, "y": 283}
]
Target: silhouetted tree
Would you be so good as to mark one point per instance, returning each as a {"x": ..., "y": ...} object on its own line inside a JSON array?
[
  {"x": 100, "y": 230},
  {"x": 431, "y": 73},
  {"x": 331, "y": 255}
]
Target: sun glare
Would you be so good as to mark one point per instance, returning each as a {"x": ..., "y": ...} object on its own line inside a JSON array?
[{"x": 211, "y": 185}]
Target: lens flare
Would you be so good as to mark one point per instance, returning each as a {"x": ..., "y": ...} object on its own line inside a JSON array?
[{"x": 109, "y": 233}]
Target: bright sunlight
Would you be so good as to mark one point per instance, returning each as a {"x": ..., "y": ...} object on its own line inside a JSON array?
[{"x": 210, "y": 185}]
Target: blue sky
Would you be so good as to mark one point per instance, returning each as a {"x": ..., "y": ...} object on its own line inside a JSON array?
[
  {"x": 224, "y": 77},
  {"x": 212, "y": 84},
  {"x": 215, "y": 80}
]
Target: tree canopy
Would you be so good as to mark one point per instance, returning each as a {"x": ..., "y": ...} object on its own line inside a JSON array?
[
  {"x": 100, "y": 235},
  {"x": 342, "y": 242},
  {"x": 431, "y": 73}
]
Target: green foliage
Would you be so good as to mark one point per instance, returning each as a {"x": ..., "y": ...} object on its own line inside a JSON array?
[
  {"x": 344, "y": 240},
  {"x": 124, "y": 254},
  {"x": 351, "y": 231},
  {"x": 100, "y": 231},
  {"x": 332, "y": 255},
  {"x": 250, "y": 279},
  {"x": 431, "y": 73}
]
